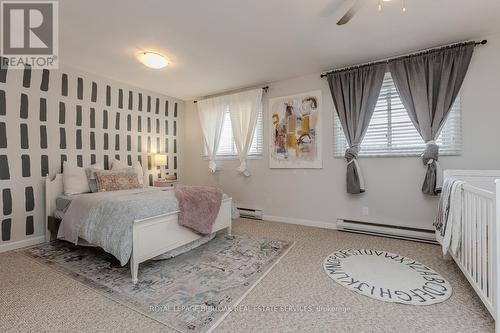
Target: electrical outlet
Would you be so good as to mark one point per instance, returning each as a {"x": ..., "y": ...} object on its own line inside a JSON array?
[{"x": 365, "y": 210}]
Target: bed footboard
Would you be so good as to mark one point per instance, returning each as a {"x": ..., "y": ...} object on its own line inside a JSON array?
[{"x": 159, "y": 234}]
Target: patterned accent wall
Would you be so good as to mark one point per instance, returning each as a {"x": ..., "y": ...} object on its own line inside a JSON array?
[{"x": 48, "y": 117}]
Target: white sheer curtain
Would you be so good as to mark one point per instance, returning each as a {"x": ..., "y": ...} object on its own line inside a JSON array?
[
  {"x": 211, "y": 114},
  {"x": 244, "y": 109}
]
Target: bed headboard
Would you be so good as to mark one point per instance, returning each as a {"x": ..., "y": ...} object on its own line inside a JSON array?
[{"x": 53, "y": 189}]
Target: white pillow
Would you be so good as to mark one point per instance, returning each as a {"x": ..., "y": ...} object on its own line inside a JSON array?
[
  {"x": 117, "y": 165},
  {"x": 75, "y": 179}
]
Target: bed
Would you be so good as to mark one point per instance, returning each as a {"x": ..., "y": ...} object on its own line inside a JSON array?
[
  {"x": 477, "y": 235},
  {"x": 151, "y": 236}
]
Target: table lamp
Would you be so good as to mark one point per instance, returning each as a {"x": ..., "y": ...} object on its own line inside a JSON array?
[{"x": 160, "y": 160}]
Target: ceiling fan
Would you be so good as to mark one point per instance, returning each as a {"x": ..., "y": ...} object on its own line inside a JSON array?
[{"x": 357, "y": 6}]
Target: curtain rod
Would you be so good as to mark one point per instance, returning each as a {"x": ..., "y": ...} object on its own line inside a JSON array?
[
  {"x": 266, "y": 88},
  {"x": 323, "y": 75}
]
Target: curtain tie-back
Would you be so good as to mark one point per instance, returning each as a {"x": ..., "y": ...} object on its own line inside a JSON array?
[
  {"x": 433, "y": 181},
  {"x": 243, "y": 168},
  {"x": 212, "y": 166},
  {"x": 351, "y": 156},
  {"x": 431, "y": 152},
  {"x": 351, "y": 153}
]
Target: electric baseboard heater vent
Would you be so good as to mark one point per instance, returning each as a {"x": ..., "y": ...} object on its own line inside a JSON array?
[
  {"x": 386, "y": 230},
  {"x": 250, "y": 213}
]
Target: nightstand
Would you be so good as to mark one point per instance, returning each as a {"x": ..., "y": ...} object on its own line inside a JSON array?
[{"x": 164, "y": 183}]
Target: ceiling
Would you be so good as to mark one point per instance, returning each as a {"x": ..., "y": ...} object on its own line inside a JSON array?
[{"x": 219, "y": 45}]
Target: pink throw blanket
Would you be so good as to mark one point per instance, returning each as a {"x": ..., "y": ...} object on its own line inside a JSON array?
[{"x": 198, "y": 207}]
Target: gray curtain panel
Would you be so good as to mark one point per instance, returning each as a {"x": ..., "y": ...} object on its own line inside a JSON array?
[
  {"x": 428, "y": 84},
  {"x": 355, "y": 93}
]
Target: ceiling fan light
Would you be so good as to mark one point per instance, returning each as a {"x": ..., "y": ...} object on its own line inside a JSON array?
[{"x": 153, "y": 60}]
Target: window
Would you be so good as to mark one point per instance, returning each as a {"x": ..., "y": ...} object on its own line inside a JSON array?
[
  {"x": 391, "y": 132},
  {"x": 227, "y": 147}
]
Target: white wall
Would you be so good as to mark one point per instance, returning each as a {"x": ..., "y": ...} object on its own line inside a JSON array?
[{"x": 393, "y": 184}]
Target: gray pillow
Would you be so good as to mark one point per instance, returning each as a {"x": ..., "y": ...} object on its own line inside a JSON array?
[{"x": 90, "y": 172}]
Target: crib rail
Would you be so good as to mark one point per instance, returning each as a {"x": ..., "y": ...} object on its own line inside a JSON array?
[
  {"x": 496, "y": 248},
  {"x": 476, "y": 256}
]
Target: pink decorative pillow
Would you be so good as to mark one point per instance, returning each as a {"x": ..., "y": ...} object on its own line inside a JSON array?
[{"x": 115, "y": 181}]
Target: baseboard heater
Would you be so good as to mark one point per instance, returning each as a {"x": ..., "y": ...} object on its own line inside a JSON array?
[
  {"x": 250, "y": 213},
  {"x": 386, "y": 230}
]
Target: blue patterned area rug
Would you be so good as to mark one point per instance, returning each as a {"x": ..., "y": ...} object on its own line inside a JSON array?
[{"x": 192, "y": 292}]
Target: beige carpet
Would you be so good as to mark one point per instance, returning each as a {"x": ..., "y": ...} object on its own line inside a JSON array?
[{"x": 35, "y": 297}]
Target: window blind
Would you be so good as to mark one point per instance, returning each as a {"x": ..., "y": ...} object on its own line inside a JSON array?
[
  {"x": 391, "y": 132},
  {"x": 227, "y": 147}
]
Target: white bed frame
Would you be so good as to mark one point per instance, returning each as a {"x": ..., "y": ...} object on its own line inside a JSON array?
[
  {"x": 151, "y": 236},
  {"x": 478, "y": 255}
]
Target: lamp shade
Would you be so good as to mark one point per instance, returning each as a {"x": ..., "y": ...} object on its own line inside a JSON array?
[{"x": 160, "y": 159}]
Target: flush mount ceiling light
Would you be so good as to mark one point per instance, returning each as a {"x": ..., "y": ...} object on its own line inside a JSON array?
[{"x": 153, "y": 60}]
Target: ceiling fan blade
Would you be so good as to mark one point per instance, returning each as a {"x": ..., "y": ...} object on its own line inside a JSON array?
[{"x": 350, "y": 13}]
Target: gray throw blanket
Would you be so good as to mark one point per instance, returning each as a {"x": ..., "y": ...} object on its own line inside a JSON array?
[
  {"x": 448, "y": 221},
  {"x": 198, "y": 207},
  {"x": 444, "y": 206}
]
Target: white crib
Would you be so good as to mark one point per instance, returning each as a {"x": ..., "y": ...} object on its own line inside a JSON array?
[{"x": 478, "y": 256}]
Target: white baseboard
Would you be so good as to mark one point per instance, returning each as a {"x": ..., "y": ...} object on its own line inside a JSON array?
[
  {"x": 304, "y": 222},
  {"x": 9, "y": 246}
]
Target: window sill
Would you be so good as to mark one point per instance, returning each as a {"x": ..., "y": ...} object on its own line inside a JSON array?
[
  {"x": 233, "y": 157},
  {"x": 396, "y": 155}
]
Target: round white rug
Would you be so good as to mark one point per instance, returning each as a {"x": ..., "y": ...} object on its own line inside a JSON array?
[{"x": 387, "y": 277}]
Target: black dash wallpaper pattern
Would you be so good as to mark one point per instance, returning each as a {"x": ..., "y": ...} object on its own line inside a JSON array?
[{"x": 48, "y": 117}]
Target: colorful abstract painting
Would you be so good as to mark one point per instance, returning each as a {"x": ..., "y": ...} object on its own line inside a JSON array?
[{"x": 295, "y": 140}]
